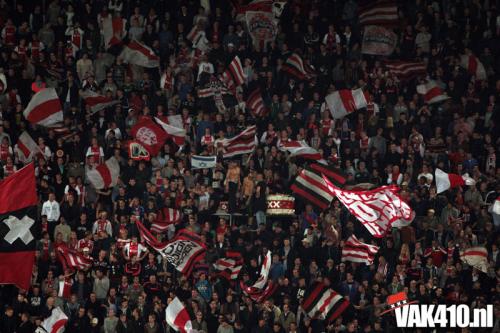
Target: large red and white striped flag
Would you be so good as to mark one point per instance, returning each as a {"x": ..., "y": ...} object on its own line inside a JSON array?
[
  {"x": 97, "y": 102},
  {"x": 378, "y": 210},
  {"x": 150, "y": 135},
  {"x": 262, "y": 288},
  {"x": 229, "y": 266},
  {"x": 476, "y": 257},
  {"x": 114, "y": 29},
  {"x": 55, "y": 323},
  {"x": 266, "y": 6},
  {"x": 178, "y": 317},
  {"x": 255, "y": 103},
  {"x": 325, "y": 301},
  {"x": 44, "y": 109},
  {"x": 432, "y": 92},
  {"x": 473, "y": 66},
  {"x": 345, "y": 101},
  {"x": 295, "y": 66},
  {"x": 234, "y": 76},
  {"x": 27, "y": 147},
  {"x": 357, "y": 251},
  {"x": 445, "y": 181},
  {"x": 71, "y": 259},
  {"x": 139, "y": 54},
  {"x": 178, "y": 135},
  {"x": 406, "y": 70},
  {"x": 104, "y": 175},
  {"x": 165, "y": 218},
  {"x": 300, "y": 149},
  {"x": 381, "y": 13},
  {"x": 243, "y": 143}
]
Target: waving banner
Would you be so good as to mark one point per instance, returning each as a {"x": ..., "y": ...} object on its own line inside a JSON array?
[
  {"x": 262, "y": 27},
  {"x": 378, "y": 41}
]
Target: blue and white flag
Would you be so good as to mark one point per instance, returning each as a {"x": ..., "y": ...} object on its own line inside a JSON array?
[{"x": 203, "y": 162}]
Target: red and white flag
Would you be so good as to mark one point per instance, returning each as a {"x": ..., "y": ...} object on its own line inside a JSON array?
[
  {"x": 255, "y": 103},
  {"x": 295, "y": 66},
  {"x": 445, "y": 181},
  {"x": 345, "y": 101},
  {"x": 262, "y": 288},
  {"x": 300, "y": 149},
  {"x": 322, "y": 300},
  {"x": 378, "y": 210},
  {"x": 381, "y": 13},
  {"x": 178, "y": 135},
  {"x": 104, "y": 175},
  {"x": 139, "y": 54},
  {"x": 473, "y": 66},
  {"x": 178, "y": 317},
  {"x": 476, "y": 257},
  {"x": 150, "y": 135},
  {"x": 357, "y": 251},
  {"x": 27, "y": 147},
  {"x": 114, "y": 29},
  {"x": 406, "y": 70},
  {"x": 44, "y": 109},
  {"x": 198, "y": 38},
  {"x": 265, "y": 6},
  {"x": 496, "y": 206},
  {"x": 243, "y": 143},
  {"x": 55, "y": 323},
  {"x": 234, "y": 76},
  {"x": 229, "y": 266},
  {"x": 72, "y": 259},
  {"x": 432, "y": 92},
  {"x": 166, "y": 217},
  {"x": 97, "y": 102},
  {"x": 378, "y": 40}
]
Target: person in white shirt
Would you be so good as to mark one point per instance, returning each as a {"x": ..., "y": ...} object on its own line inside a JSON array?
[{"x": 51, "y": 209}]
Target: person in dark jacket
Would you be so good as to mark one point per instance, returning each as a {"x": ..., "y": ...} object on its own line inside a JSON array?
[
  {"x": 26, "y": 326},
  {"x": 124, "y": 325}
]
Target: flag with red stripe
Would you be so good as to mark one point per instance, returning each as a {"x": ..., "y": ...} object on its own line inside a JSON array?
[
  {"x": 165, "y": 218},
  {"x": 97, "y": 102},
  {"x": 229, "y": 266},
  {"x": 234, "y": 76},
  {"x": 178, "y": 135},
  {"x": 44, "y": 109},
  {"x": 243, "y": 143},
  {"x": 476, "y": 257},
  {"x": 406, "y": 70},
  {"x": 473, "y": 66},
  {"x": 104, "y": 175},
  {"x": 381, "y": 13},
  {"x": 262, "y": 288},
  {"x": 343, "y": 102},
  {"x": 71, "y": 259},
  {"x": 139, "y": 54},
  {"x": 255, "y": 103},
  {"x": 324, "y": 301},
  {"x": 55, "y": 323},
  {"x": 178, "y": 317},
  {"x": 27, "y": 147},
  {"x": 300, "y": 149},
  {"x": 150, "y": 135},
  {"x": 357, "y": 251},
  {"x": 114, "y": 29},
  {"x": 432, "y": 92},
  {"x": 295, "y": 66}
]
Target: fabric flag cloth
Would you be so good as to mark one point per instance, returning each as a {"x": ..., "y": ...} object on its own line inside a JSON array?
[
  {"x": 357, "y": 251},
  {"x": 378, "y": 41},
  {"x": 496, "y": 206},
  {"x": 71, "y": 259},
  {"x": 295, "y": 67},
  {"x": 476, "y": 257},
  {"x": 243, "y": 143},
  {"x": 345, "y": 101},
  {"x": 97, "y": 102},
  {"x": 18, "y": 229},
  {"x": 165, "y": 218},
  {"x": 3, "y": 83},
  {"x": 473, "y": 66},
  {"x": 445, "y": 181},
  {"x": 198, "y": 39},
  {"x": 378, "y": 210},
  {"x": 203, "y": 162},
  {"x": 432, "y": 92},
  {"x": 178, "y": 135},
  {"x": 381, "y": 13},
  {"x": 325, "y": 301},
  {"x": 265, "y": 6},
  {"x": 255, "y": 103},
  {"x": 150, "y": 135},
  {"x": 234, "y": 76},
  {"x": 44, "y": 109},
  {"x": 183, "y": 251},
  {"x": 139, "y": 54},
  {"x": 262, "y": 288},
  {"x": 406, "y": 70},
  {"x": 311, "y": 186},
  {"x": 55, "y": 323},
  {"x": 262, "y": 27},
  {"x": 178, "y": 317},
  {"x": 104, "y": 175},
  {"x": 220, "y": 95},
  {"x": 114, "y": 29},
  {"x": 300, "y": 149},
  {"x": 27, "y": 147},
  {"x": 280, "y": 204},
  {"x": 229, "y": 266}
]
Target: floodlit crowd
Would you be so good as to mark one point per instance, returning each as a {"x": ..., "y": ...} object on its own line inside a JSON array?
[{"x": 60, "y": 44}]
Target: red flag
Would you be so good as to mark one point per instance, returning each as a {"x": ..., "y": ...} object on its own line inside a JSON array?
[
  {"x": 150, "y": 135},
  {"x": 178, "y": 135},
  {"x": 44, "y": 109},
  {"x": 357, "y": 251},
  {"x": 178, "y": 317},
  {"x": 72, "y": 259},
  {"x": 166, "y": 218},
  {"x": 105, "y": 175},
  {"x": 18, "y": 230},
  {"x": 139, "y": 54},
  {"x": 97, "y": 102},
  {"x": 345, "y": 101}
]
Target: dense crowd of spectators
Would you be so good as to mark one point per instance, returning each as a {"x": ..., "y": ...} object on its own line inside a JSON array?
[{"x": 400, "y": 144}]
